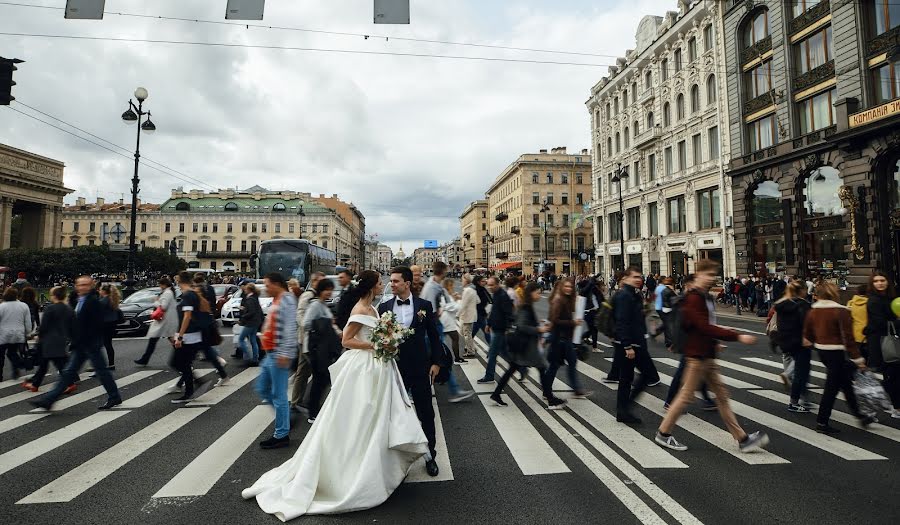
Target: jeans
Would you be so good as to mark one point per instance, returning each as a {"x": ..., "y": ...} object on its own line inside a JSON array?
[
  {"x": 249, "y": 332},
  {"x": 479, "y": 324},
  {"x": 801, "y": 357},
  {"x": 697, "y": 371},
  {"x": 38, "y": 377},
  {"x": 70, "y": 373},
  {"x": 272, "y": 385},
  {"x": 560, "y": 350},
  {"x": 839, "y": 377},
  {"x": 213, "y": 357},
  {"x": 676, "y": 383},
  {"x": 497, "y": 346}
]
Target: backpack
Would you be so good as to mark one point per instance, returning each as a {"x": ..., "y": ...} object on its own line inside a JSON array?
[
  {"x": 772, "y": 325},
  {"x": 605, "y": 321},
  {"x": 675, "y": 326}
]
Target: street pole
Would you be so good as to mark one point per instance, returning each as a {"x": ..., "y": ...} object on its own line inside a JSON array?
[
  {"x": 135, "y": 114},
  {"x": 621, "y": 175}
]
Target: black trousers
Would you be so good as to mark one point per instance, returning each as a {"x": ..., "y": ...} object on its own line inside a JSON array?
[
  {"x": 10, "y": 351},
  {"x": 420, "y": 388},
  {"x": 182, "y": 361},
  {"x": 321, "y": 380},
  {"x": 58, "y": 362},
  {"x": 109, "y": 331},
  {"x": 148, "y": 352},
  {"x": 839, "y": 377},
  {"x": 629, "y": 389},
  {"x": 891, "y": 382}
]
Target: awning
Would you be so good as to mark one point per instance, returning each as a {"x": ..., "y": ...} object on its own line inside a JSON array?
[{"x": 508, "y": 265}]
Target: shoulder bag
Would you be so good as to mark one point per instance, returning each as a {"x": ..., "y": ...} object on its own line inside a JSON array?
[{"x": 890, "y": 345}]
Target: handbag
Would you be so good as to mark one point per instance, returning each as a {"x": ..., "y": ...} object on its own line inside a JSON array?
[
  {"x": 890, "y": 345},
  {"x": 158, "y": 314}
]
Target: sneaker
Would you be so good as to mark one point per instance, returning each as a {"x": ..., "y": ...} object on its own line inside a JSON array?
[
  {"x": 652, "y": 384},
  {"x": 180, "y": 400},
  {"x": 556, "y": 404},
  {"x": 865, "y": 421},
  {"x": 581, "y": 394},
  {"x": 826, "y": 429},
  {"x": 462, "y": 395},
  {"x": 70, "y": 389},
  {"x": 895, "y": 413},
  {"x": 497, "y": 399},
  {"x": 140, "y": 362},
  {"x": 796, "y": 407},
  {"x": 274, "y": 442},
  {"x": 754, "y": 441},
  {"x": 30, "y": 387},
  {"x": 808, "y": 405},
  {"x": 92, "y": 375},
  {"x": 223, "y": 381},
  {"x": 710, "y": 406},
  {"x": 609, "y": 380},
  {"x": 666, "y": 406},
  {"x": 486, "y": 380},
  {"x": 310, "y": 420},
  {"x": 669, "y": 442}
]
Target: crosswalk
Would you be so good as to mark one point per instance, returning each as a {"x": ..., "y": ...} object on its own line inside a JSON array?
[{"x": 539, "y": 442}]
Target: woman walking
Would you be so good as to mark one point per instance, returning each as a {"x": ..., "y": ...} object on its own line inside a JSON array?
[
  {"x": 15, "y": 326},
  {"x": 880, "y": 316},
  {"x": 792, "y": 310},
  {"x": 109, "y": 298},
  {"x": 323, "y": 341},
  {"x": 251, "y": 320},
  {"x": 196, "y": 314},
  {"x": 167, "y": 325},
  {"x": 449, "y": 313},
  {"x": 524, "y": 350},
  {"x": 562, "y": 308},
  {"x": 830, "y": 330},
  {"x": 468, "y": 314},
  {"x": 54, "y": 335},
  {"x": 29, "y": 297}
]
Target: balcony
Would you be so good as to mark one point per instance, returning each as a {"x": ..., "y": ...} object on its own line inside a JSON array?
[
  {"x": 811, "y": 16},
  {"x": 210, "y": 254},
  {"x": 502, "y": 255},
  {"x": 648, "y": 137},
  {"x": 502, "y": 216},
  {"x": 515, "y": 230},
  {"x": 757, "y": 50},
  {"x": 883, "y": 42},
  {"x": 813, "y": 77},
  {"x": 647, "y": 95}
]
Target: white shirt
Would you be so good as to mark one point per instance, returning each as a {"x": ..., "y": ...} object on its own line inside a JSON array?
[{"x": 404, "y": 312}]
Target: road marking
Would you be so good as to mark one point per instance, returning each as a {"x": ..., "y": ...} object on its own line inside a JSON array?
[
  {"x": 743, "y": 330},
  {"x": 33, "y": 449},
  {"x": 730, "y": 381},
  {"x": 12, "y": 382},
  {"x": 762, "y": 374},
  {"x": 530, "y": 451},
  {"x": 17, "y": 421},
  {"x": 773, "y": 364},
  {"x": 205, "y": 470},
  {"x": 417, "y": 473},
  {"x": 219, "y": 393},
  {"x": 19, "y": 396},
  {"x": 75, "y": 482},
  {"x": 157, "y": 392},
  {"x": 88, "y": 395}
]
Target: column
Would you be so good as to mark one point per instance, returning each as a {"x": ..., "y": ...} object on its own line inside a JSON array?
[{"x": 6, "y": 208}]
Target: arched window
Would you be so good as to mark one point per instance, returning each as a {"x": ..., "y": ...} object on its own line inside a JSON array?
[
  {"x": 679, "y": 107},
  {"x": 634, "y": 91},
  {"x": 597, "y": 118},
  {"x": 824, "y": 234},
  {"x": 767, "y": 239},
  {"x": 650, "y": 120},
  {"x": 711, "y": 89},
  {"x": 608, "y": 114},
  {"x": 618, "y": 142},
  {"x": 757, "y": 28},
  {"x": 627, "y": 138},
  {"x": 182, "y": 206},
  {"x": 667, "y": 115},
  {"x": 820, "y": 196},
  {"x": 279, "y": 206},
  {"x": 231, "y": 207},
  {"x": 616, "y": 106},
  {"x": 609, "y": 150},
  {"x": 624, "y": 98},
  {"x": 695, "y": 98}
]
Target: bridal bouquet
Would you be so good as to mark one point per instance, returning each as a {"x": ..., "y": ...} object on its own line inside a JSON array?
[{"x": 388, "y": 335}]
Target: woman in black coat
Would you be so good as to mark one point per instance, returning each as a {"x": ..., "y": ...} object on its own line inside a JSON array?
[
  {"x": 524, "y": 350},
  {"x": 878, "y": 308},
  {"x": 792, "y": 310},
  {"x": 54, "y": 335}
]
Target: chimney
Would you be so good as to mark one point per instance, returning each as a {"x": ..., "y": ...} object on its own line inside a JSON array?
[
  {"x": 562, "y": 149},
  {"x": 584, "y": 151},
  {"x": 543, "y": 151},
  {"x": 80, "y": 201},
  {"x": 121, "y": 201},
  {"x": 100, "y": 201}
]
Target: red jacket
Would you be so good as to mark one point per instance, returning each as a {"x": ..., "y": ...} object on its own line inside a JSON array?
[{"x": 701, "y": 337}]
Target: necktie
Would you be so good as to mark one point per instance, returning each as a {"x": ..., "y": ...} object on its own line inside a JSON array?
[{"x": 401, "y": 302}]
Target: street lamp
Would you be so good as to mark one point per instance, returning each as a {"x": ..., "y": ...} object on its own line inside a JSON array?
[
  {"x": 545, "y": 207},
  {"x": 621, "y": 176},
  {"x": 135, "y": 114},
  {"x": 487, "y": 249}
]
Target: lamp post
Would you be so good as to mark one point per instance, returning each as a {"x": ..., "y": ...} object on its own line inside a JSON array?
[
  {"x": 545, "y": 207},
  {"x": 621, "y": 176},
  {"x": 487, "y": 249},
  {"x": 135, "y": 113}
]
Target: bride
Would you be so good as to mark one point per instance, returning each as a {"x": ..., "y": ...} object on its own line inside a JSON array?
[{"x": 364, "y": 440}]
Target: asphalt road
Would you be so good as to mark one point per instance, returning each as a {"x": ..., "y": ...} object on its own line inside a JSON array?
[{"x": 158, "y": 463}]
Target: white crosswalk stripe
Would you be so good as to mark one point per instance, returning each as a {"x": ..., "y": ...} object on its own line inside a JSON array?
[
  {"x": 88, "y": 395},
  {"x": 417, "y": 473}
]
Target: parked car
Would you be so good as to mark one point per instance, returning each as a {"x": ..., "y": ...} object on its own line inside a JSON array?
[
  {"x": 224, "y": 292},
  {"x": 231, "y": 310},
  {"x": 136, "y": 310}
]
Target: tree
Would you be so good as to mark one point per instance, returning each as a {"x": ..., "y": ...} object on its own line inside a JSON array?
[{"x": 52, "y": 264}]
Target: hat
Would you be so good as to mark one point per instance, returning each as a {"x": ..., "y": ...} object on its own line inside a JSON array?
[{"x": 21, "y": 275}]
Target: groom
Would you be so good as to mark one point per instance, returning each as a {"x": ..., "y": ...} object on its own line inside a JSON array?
[{"x": 418, "y": 366}]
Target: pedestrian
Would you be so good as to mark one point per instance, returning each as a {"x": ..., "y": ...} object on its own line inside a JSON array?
[
  {"x": 211, "y": 336},
  {"x": 880, "y": 318},
  {"x": 29, "y": 297},
  {"x": 165, "y": 326},
  {"x": 347, "y": 299},
  {"x": 630, "y": 344},
  {"x": 250, "y": 321},
  {"x": 21, "y": 282},
  {"x": 523, "y": 348},
  {"x": 511, "y": 282},
  {"x": 295, "y": 288},
  {"x": 323, "y": 344},
  {"x": 829, "y": 329},
  {"x": 304, "y": 371},
  {"x": 468, "y": 314},
  {"x": 87, "y": 338},
  {"x": 280, "y": 343},
  {"x": 593, "y": 302},
  {"x": 563, "y": 323},
  {"x": 54, "y": 335},
  {"x": 195, "y": 314},
  {"x": 698, "y": 317},
  {"x": 433, "y": 292},
  {"x": 666, "y": 302},
  {"x": 484, "y": 299},
  {"x": 15, "y": 328},
  {"x": 109, "y": 301},
  {"x": 449, "y": 318},
  {"x": 677, "y": 377},
  {"x": 858, "y": 305},
  {"x": 501, "y": 318},
  {"x": 791, "y": 311}
]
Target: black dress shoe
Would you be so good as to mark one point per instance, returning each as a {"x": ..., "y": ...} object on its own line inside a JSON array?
[
  {"x": 497, "y": 399},
  {"x": 628, "y": 419},
  {"x": 110, "y": 403},
  {"x": 431, "y": 468},
  {"x": 41, "y": 403},
  {"x": 274, "y": 442}
]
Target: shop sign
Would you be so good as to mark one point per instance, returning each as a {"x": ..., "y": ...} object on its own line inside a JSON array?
[{"x": 874, "y": 114}]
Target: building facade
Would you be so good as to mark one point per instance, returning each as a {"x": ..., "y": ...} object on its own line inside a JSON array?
[
  {"x": 661, "y": 200},
  {"x": 473, "y": 223},
  {"x": 816, "y": 169},
  {"x": 378, "y": 257},
  {"x": 425, "y": 257},
  {"x": 452, "y": 254},
  {"x": 218, "y": 230},
  {"x": 536, "y": 213}
]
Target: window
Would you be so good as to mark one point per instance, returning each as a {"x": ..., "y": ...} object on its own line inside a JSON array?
[
  {"x": 143, "y": 227},
  {"x": 549, "y": 197},
  {"x": 551, "y": 244},
  {"x": 634, "y": 91},
  {"x": 627, "y": 138},
  {"x": 635, "y": 129},
  {"x": 608, "y": 114},
  {"x": 697, "y": 149},
  {"x": 535, "y": 178},
  {"x": 653, "y": 217},
  {"x": 679, "y": 107},
  {"x": 711, "y": 90},
  {"x": 228, "y": 246},
  {"x": 253, "y": 227},
  {"x": 205, "y": 227},
  {"x": 243, "y": 246},
  {"x": 667, "y": 157},
  {"x": 252, "y": 246},
  {"x": 766, "y": 205},
  {"x": 633, "y": 218},
  {"x": 801, "y": 6},
  {"x": 195, "y": 227},
  {"x": 758, "y": 29},
  {"x": 181, "y": 227},
  {"x": 564, "y": 178},
  {"x": 887, "y": 15},
  {"x": 203, "y": 245},
  {"x": 75, "y": 226},
  {"x": 324, "y": 228},
  {"x": 182, "y": 206},
  {"x": 536, "y": 243},
  {"x": 651, "y": 167},
  {"x": 244, "y": 227},
  {"x": 579, "y": 178},
  {"x": 92, "y": 226},
  {"x": 761, "y": 133},
  {"x": 677, "y": 55},
  {"x": 579, "y": 243},
  {"x": 609, "y": 150},
  {"x": 535, "y": 197},
  {"x": 229, "y": 227},
  {"x": 692, "y": 49},
  {"x": 677, "y": 217},
  {"x": 564, "y": 198},
  {"x": 713, "y": 136},
  {"x": 291, "y": 227},
  {"x": 277, "y": 227},
  {"x": 624, "y": 98},
  {"x": 887, "y": 82},
  {"x": 194, "y": 246},
  {"x": 74, "y": 243},
  {"x": 535, "y": 220},
  {"x": 667, "y": 115},
  {"x": 231, "y": 207},
  {"x": 565, "y": 220},
  {"x": 682, "y": 155},
  {"x": 816, "y": 112},
  {"x": 168, "y": 227},
  {"x": 215, "y": 246},
  {"x": 549, "y": 219},
  {"x": 648, "y": 80},
  {"x": 579, "y": 198},
  {"x": 215, "y": 226},
  {"x": 695, "y": 98},
  {"x": 664, "y": 69},
  {"x": 708, "y": 209},
  {"x": 618, "y": 142},
  {"x": 758, "y": 80},
  {"x": 616, "y": 106},
  {"x": 708, "y": 37},
  {"x": 549, "y": 178},
  {"x": 820, "y": 196},
  {"x": 650, "y": 120},
  {"x": 813, "y": 51},
  {"x": 614, "y": 225},
  {"x": 279, "y": 207},
  {"x": 264, "y": 227},
  {"x": 635, "y": 177}
]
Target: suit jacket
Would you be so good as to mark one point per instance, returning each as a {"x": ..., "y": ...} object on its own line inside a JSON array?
[
  {"x": 87, "y": 333},
  {"x": 423, "y": 348}
]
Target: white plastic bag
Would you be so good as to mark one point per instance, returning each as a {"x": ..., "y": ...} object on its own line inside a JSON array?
[{"x": 869, "y": 394}]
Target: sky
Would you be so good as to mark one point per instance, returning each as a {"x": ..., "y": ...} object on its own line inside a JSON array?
[{"x": 409, "y": 140}]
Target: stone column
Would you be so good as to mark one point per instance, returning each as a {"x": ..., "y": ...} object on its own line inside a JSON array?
[{"x": 6, "y": 208}]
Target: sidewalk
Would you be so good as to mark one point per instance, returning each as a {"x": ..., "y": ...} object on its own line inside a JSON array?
[{"x": 746, "y": 315}]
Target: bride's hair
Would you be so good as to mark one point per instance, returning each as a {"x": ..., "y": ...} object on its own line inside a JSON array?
[{"x": 367, "y": 281}]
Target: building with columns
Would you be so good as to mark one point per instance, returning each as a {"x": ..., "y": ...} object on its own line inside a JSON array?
[
  {"x": 31, "y": 199},
  {"x": 660, "y": 118},
  {"x": 473, "y": 223},
  {"x": 425, "y": 257}
]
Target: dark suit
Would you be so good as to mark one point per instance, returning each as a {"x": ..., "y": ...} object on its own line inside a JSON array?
[{"x": 417, "y": 355}]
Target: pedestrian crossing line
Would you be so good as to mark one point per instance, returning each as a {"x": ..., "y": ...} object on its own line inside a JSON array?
[
  {"x": 730, "y": 381},
  {"x": 417, "y": 473},
  {"x": 201, "y": 474},
  {"x": 812, "y": 373},
  {"x": 217, "y": 394},
  {"x": 13, "y": 382},
  {"x": 17, "y": 421},
  {"x": 88, "y": 395},
  {"x": 819, "y": 364},
  {"x": 156, "y": 392},
  {"x": 20, "y": 396},
  {"x": 558, "y": 386},
  {"x": 75, "y": 482},
  {"x": 762, "y": 374},
  {"x": 712, "y": 434},
  {"x": 531, "y": 452},
  {"x": 44, "y": 444}
]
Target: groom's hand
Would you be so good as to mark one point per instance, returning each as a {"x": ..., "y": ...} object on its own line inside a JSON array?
[{"x": 435, "y": 370}]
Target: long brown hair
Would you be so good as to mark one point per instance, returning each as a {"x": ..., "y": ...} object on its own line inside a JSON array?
[
  {"x": 890, "y": 292},
  {"x": 113, "y": 292},
  {"x": 559, "y": 301}
]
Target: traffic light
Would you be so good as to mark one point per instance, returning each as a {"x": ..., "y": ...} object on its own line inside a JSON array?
[{"x": 7, "y": 66}]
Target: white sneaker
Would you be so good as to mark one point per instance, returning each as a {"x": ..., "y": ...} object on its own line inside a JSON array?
[
  {"x": 223, "y": 381},
  {"x": 895, "y": 414},
  {"x": 669, "y": 442},
  {"x": 461, "y": 396}
]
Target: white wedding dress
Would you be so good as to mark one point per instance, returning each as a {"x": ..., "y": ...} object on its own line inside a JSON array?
[{"x": 360, "y": 447}]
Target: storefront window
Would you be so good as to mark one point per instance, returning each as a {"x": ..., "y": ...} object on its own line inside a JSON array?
[
  {"x": 824, "y": 233},
  {"x": 767, "y": 240}
]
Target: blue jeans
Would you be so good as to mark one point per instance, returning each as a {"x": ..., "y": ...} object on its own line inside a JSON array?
[
  {"x": 498, "y": 347},
  {"x": 560, "y": 349},
  {"x": 479, "y": 324},
  {"x": 76, "y": 361},
  {"x": 452, "y": 385},
  {"x": 212, "y": 356},
  {"x": 272, "y": 387},
  {"x": 249, "y": 332}
]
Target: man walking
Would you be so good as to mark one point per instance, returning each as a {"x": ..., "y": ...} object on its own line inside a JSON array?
[
  {"x": 87, "y": 339},
  {"x": 500, "y": 319},
  {"x": 700, "y": 346},
  {"x": 630, "y": 343},
  {"x": 280, "y": 342},
  {"x": 347, "y": 299}
]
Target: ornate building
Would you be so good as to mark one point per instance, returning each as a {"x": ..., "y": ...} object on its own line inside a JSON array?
[{"x": 473, "y": 223}]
